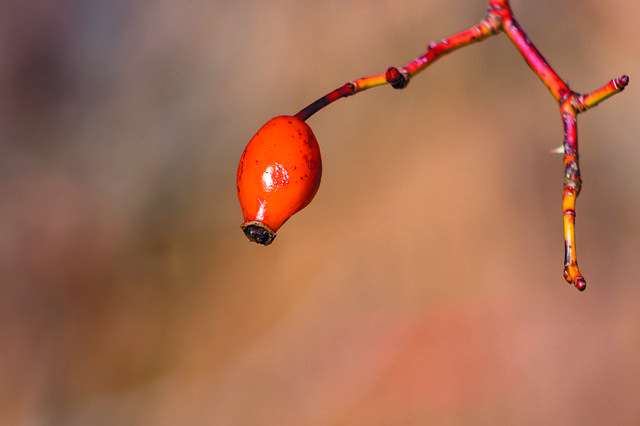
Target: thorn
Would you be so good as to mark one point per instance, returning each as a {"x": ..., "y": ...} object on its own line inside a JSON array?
[{"x": 558, "y": 150}]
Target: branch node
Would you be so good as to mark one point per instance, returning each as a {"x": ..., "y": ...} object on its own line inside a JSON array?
[
  {"x": 578, "y": 104},
  {"x": 398, "y": 78},
  {"x": 494, "y": 19}
]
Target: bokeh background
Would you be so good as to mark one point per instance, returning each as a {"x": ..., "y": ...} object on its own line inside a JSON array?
[{"x": 423, "y": 285}]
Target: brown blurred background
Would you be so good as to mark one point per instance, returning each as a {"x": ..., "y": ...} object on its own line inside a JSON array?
[{"x": 424, "y": 283}]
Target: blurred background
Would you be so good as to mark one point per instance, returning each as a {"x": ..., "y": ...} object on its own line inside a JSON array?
[{"x": 423, "y": 285}]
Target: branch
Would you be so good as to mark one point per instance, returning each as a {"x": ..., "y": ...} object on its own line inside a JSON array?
[
  {"x": 500, "y": 18},
  {"x": 400, "y": 77}
]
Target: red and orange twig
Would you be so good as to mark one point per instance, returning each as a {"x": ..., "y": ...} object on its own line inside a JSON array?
[{"x": 500, "y": 19}]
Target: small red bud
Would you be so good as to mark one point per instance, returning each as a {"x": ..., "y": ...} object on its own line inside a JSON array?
[{"x": 278, "y": 175}]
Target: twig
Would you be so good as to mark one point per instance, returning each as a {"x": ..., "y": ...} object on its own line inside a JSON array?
[{"x": 500, "y": 18}]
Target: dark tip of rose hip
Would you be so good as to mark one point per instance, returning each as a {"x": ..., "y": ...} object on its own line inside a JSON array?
[{"x": 258, "y": 233}]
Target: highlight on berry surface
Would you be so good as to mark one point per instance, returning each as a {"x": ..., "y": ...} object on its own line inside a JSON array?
[
  {"x": 271, "y": 187},
  {"x": 278, "y": 175}
]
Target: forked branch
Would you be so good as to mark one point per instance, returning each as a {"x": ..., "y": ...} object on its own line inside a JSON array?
[{"x": 500, "y": 19}]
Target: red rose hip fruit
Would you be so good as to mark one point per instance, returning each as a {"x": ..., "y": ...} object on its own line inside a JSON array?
[{"x": 278, "y": 175}]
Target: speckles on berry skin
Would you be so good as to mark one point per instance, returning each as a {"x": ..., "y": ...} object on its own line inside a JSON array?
[{"x": 312, "y": 164}]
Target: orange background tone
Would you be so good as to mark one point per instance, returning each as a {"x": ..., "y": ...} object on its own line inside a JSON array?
[{"x": 423, "y": 285}]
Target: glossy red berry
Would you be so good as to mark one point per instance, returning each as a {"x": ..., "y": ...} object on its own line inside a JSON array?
[{"x": 278, "y": 175}]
